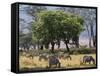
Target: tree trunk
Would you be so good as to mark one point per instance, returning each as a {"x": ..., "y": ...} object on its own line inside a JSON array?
[
  {"x": 67, "y": 47},
  {"x": 87, "y": 27},
  {"x": 46, "y": 45},
  {"x": 38, "y": 45},
  {"x": 27, "y": 47},
  {"x": 52, "y": 48},
  {"x": 58, "y": 44},
  {"x": 77, "y": 41},
  {"x": 66, "y": 43},
  {"x": 90, "y": 42},
  {"x": 92, "y": 35},
  {"x": 34, "y": 46},
  {"x": 94, "y": 42},
  {"x": 41, "y": 47}
]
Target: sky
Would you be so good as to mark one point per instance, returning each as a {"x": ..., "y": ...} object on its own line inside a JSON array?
[{"x": 83, "y": 39}]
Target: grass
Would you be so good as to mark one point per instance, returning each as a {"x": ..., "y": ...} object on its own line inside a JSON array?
[{"x": 29, "y": 63}]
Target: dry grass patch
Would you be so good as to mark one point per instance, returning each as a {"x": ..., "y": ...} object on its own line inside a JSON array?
[{"x": 26, "y": 62}]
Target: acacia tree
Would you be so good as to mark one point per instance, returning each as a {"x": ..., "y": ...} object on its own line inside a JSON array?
[
  {"x": 54, "y": 26},
  {"x": 72, "y": 28},
  {"x": 89, "y": 16},
  {"x": 75, "y": 11}
]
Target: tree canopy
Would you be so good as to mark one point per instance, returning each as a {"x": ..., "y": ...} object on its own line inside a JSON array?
[{"x": 53, "y": 26}]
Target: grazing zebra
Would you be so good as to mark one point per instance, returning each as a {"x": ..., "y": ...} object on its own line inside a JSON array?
[
  {"x": 30, "y": 56},
  {"x": 88, "y": 59},
  {"x": 43, "y": 57},
  {"x": 53, "y": 60},
  {"x": 68, "y": 57}
]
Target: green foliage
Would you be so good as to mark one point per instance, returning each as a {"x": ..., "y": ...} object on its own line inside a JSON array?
[
  {"x": 83, "y": 51},
  {"x": 51, "y": 26}
]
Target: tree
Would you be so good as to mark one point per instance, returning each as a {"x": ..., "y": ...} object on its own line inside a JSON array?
[
  {"x": 89, "y": 16},
  {"x": 75, "y": 11},
  {"x": 32, "y": 11},
  {"x": 54, "y": 26},
  {"x": 73, "y": 26},
  {"x": 24, "y": 41}
]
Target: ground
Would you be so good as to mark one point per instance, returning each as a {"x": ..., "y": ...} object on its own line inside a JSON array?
[{"x": 29, "y": 63}]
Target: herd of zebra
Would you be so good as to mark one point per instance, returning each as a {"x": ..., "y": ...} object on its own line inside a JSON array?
[{"x": 54, "y": 59}]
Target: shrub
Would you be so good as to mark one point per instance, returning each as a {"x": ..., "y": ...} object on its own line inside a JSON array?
[{"x": 84, "y": 51}]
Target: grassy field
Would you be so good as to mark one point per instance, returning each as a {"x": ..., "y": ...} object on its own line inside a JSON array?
[{"x": 29, "y": 63}]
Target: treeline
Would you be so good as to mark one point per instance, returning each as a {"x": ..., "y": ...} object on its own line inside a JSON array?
[{"x": 50, "y": 27}]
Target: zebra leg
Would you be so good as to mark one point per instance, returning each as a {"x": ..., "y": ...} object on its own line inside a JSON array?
[
  {"x": 49, "y": 65},
  {"x": 59, "y": 65}
]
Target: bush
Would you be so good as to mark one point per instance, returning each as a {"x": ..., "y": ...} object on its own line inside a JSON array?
[
  {"x": 59, "y": 51},
  {"x": 84, "y": 51}
]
